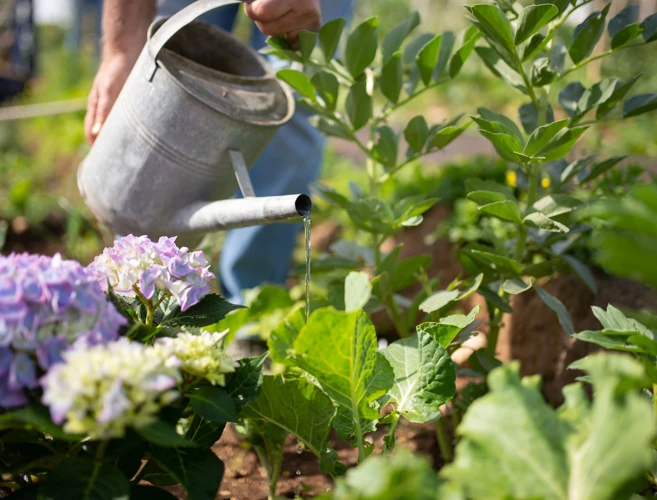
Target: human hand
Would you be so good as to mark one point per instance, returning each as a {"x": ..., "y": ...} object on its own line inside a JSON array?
[
  {"x": 111, "y": 76},
  {"x": 285, "y": 18}
]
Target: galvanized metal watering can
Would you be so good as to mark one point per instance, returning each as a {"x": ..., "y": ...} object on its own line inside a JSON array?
[{"x": 194, "y": 115}]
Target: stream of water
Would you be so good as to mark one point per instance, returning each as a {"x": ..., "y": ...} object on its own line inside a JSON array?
[{"x": 306, "y": 225}]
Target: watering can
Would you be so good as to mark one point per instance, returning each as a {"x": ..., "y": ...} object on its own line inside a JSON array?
[{"x": 195, "y": 113}]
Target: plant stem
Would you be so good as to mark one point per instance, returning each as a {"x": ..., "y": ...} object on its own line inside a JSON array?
[
  {"x": 568, "y": 14},
  {"x": 360, "y": 439},
  {"x": 654, "y": 398},
  {"x": 276, "y": 462},
  {"x": 396, "y": 317},
  {"x": 391, "y": 433},
  {"x": 584, "y": 62},
  {"x": 403, "y": 102},
  {"x": 98, "y": 462},
  {"x": 262, "y": 458},
  {"x": 443, "y": 441}
]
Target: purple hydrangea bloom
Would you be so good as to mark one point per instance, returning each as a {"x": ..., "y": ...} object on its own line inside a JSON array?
[
  {"x": 139, "y": 264},
  {"x": 46, "y": 305}
]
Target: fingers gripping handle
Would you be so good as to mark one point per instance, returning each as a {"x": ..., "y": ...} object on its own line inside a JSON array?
[{"x": 177, "y": 22}]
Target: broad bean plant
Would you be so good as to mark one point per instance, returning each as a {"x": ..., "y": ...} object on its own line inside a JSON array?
[{"x": 357, "y": 94}]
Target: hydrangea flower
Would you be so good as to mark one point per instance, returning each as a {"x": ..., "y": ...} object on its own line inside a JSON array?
[
  {"x": 99, "y": 391},
  {"x": 46, "y": 304},
  {"x": 137, "y": 263},
  {"x": 201, "y": 354}
]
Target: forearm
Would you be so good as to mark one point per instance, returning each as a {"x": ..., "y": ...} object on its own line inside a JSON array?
[{"x": 125, "y": 25}]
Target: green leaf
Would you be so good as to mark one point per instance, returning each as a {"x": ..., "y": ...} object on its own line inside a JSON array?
[
  {"x": 614, "y": 319},
  {"x": 199, "y": 471},
  {"x": 213, "y": 404},
  {"x": 391, "y": 81},
  {"x": 536, "y": 45},
  {"x": 553, "y": 205},
  {"x": 501, "y": 68},
  {"x": 587, "y": 35},
  {"x": 639, "y": 104},
  {"x": 36, "y": 417},
  {"x": 281, "y": 339},
  {"x": 600, "y": 168},
  {"x": 485, "y": 197},
  {"x": 448, "y": 327},
  {"x": 329, "y": 37},
  {"x": 211, "y": 309},
  {"x": 505, "y": 210},
  {"x": 495, "y": 300},
  {"x": 597, "y": 94},
  {"x": 361, "y": 46},
  {"x": 204, "y": 433},
  {"x": 532, "y": 19},
  {"x": 617, "y": 95},
  {"x": 244, "y": 383},
  {"x": 327, "y": 87},
  {"x": 427, "y": 58},
  {"x": 441, "y": 299},
  {"x": 529, "y": 116},
  {"x": 446, "y": 48},
  {"x": 298, "y": 81},
  {"x": 542, "y": 136},
  {"x": 623, "y": 19},
  {"x": 561, "y": 5},
  {"x": 541, "y": 221},
  {"x": 329, "y": 127},
  {"x": 425, "y": 376},
  {"x": 516, "y": 286},
  {"x": 351, "y": 372},
  {"x": 495, "y": 27},
  {"x": 394, "y": 40},
  {"x": 409, "y": 271},
  {"x": 557, "y": 306},
  {"x": 412, "y": 49},
  {"x": 296, "y": 406},
  {"x": 562, "y": 143},
  {"x": 570, "y": 96},
  {"x": 505, "y": 145},
  {"x": 650, "y": 26},
  {"x": 607, "y": 342},
  {"x": 446, "y": 135},
  {"x": 386, "y": 148},
  {"x": 542, "y": 73},
  {"x": 82, "y": 479},
  {"x": 416, "y": 133},
  {"x": 499, "y": 262},
  {"x": 475, "y": 184},
  {"x": 307, "y": 42},
  {"x": 508, "y": 125},
  {"x": 162, "y": 434},
  {"x": 357, "y": 291},
  {"x": 582, "y": 271},
  {"x": 626, "y": 35},
  {"x": 461, "y": 56},
  {"x": 560, "y": 458},
  {"x": 359, "y": 106}
]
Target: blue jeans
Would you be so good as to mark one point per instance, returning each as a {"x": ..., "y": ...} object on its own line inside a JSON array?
[{"x": 290, "y": 163}]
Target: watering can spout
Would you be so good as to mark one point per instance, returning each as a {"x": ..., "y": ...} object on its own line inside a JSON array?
[{"x": 223, "y": 215}]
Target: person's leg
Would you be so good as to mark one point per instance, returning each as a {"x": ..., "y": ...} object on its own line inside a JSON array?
[{"x": 290, "y": 163}]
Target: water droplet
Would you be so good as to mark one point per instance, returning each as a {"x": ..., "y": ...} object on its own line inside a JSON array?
[
  {"x": 298, "y": 472},
  {"x": 383, "y": 343},
  {"x": 240, "y": 397}
]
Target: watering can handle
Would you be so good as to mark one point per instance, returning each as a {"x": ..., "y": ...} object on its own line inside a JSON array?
[{"x": 177, "y": 22}]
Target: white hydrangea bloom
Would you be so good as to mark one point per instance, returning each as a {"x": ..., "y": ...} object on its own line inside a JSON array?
[
  {"x": 201, "y": 354},
  {"x": 101, "y": 390}
]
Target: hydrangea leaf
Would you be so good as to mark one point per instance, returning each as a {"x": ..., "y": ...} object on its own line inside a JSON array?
[
  {"x": 298, "y": 407},
  {"x": 81, "y": 478}
]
